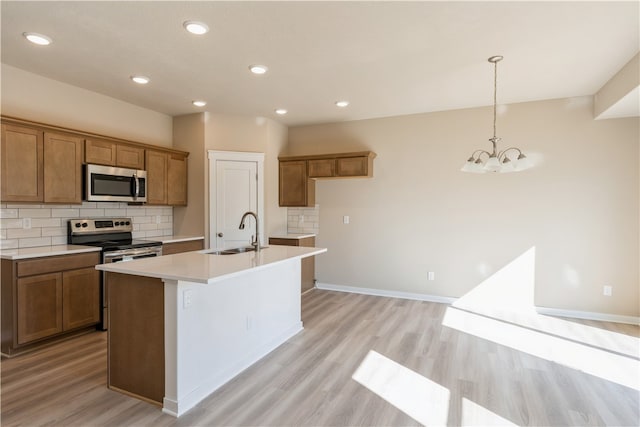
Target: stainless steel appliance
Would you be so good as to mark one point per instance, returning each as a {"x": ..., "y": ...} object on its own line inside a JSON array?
[
  {"x": 111, "y": 184},
  {"x": 114, "y": 236}
]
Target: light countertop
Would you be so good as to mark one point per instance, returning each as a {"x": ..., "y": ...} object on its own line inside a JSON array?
[
  {"x": 292, "y": 236},
  {"x": 44, "y": 251},
  {"x": 173, "y": 239},
  {"x": 201, "y": 267}
]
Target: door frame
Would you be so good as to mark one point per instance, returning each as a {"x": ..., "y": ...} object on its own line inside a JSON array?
[{"x": 236, "y": 156}]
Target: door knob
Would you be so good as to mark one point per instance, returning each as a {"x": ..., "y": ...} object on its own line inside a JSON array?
[{"x": 220, "y": 234}]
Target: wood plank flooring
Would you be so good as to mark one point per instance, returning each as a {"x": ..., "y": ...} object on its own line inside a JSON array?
[{"x": 308, "y": 380}]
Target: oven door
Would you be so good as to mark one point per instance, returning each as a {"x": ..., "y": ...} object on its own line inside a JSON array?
[
  {"x": 109, "y": 184},
  {"x": 121, "y": 256}
]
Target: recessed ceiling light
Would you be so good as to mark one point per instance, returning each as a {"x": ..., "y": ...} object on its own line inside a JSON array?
[
  {"x": 258, "y": 69},
  {"x": 36, "y": 38},
  {"x": 281, "y": 111},
  {"x": 199, "y": 103},
  {"x": 195, "y": 27},
  {"x": 141, "y": 80},
  {"x": 342, "y": 104}
]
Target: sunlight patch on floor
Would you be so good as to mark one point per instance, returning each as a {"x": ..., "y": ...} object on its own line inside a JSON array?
[
  {"x": 422, "y": 399},
  {"x": 610, "y": 366},
  {"x": 477, "y": 415}
]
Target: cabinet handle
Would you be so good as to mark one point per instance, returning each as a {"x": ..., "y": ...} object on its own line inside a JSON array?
[{"x": 220, "y": 234}]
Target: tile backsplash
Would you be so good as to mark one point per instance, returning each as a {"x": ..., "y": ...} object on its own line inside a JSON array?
[
  {"x": 303, "y": 220},
  {"x": 49, "y": 222}
]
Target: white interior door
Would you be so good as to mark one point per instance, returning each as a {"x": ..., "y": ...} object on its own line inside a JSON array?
[
  {"x": 236, "y": 194},
  {"x": 235, "y": 187}
]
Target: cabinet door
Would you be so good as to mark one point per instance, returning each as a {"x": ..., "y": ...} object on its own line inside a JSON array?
[
  {"x": 22, "y": 164},
  {"x": 296, "y": 189},
  {"x": 177, "y": 180},
  {"x": 353, "y": 166},
  {"x": 129, "y": 157},
  {"x": 39, "y": 300},
  {"x": 80, "y": 298},
  {"x": 100, "y": 152},
  {"x": 62, "y": 168},
  {"x": 322, "y": 168},
  {"x": 156, "y": 177}
]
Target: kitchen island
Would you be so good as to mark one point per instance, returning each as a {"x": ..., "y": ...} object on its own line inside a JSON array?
[{"x": 182, "y": 325}]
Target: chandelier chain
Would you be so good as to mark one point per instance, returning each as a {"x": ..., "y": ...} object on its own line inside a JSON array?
[{"x": 495, "y": 95}]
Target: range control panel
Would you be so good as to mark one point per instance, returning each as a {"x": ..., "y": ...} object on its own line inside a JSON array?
[{"x": 110, "y": 225}]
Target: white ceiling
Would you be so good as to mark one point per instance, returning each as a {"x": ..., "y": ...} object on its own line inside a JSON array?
[{"x": 386, "y": 58}]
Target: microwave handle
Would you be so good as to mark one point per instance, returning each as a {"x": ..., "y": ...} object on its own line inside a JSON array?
[{"x": 136, "y": 189}]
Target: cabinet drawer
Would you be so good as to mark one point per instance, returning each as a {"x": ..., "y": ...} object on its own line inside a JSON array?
[
  {"x": 56, "y": 263},
  {"x": 179, "y": 247},
  {"x": 283, "y": 242}
]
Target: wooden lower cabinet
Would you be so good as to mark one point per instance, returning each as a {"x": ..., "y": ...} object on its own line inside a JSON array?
[
  {"x": 44, "y": 299},
  {"x": 179, "y": 247},
  {"x": 39, "y": 307},
  {"x": 80, "y": 298},
  {"x": 308, "y": 273}
]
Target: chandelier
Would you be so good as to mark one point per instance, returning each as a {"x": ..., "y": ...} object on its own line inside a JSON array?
[{"x": 496, "y": 161}]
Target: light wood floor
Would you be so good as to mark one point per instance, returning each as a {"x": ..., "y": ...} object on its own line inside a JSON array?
[{"x": 308, "y": 380}]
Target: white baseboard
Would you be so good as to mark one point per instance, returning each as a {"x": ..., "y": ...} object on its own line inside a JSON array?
[
  {"x": 588, "y": 315},
  {"x": 575, "y": 314},
  {"x": 385, "y": 293}
]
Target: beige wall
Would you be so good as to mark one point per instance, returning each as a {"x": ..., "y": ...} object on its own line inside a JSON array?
[
  {"x": 189, "y": 135},
  {"x": 579, "y": 207},
  {"x": 224, "y": 132},
  {"x": 622, "y": 84},
  {"x": 32, "y": 97}
]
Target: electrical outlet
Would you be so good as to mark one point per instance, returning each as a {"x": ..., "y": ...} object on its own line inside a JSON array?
[
  {"x": 158, "y": 219},
  {"x": 26, "y": 223},
  {"x": 431, "y": 275},
  {"x": 301, "y": 218},
  {"x": 345, "y": 219},
  {"x": 187, "y": 298},
  {"x": 606, "y": 291}
]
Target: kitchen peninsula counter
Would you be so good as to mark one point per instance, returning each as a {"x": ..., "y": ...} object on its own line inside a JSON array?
[{"x": 181, "y": 326}]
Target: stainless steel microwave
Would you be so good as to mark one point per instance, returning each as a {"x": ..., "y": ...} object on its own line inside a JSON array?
[{"x": 111, "y": 184}]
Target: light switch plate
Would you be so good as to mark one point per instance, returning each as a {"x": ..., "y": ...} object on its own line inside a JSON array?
[{"x": 345, "y": 219}]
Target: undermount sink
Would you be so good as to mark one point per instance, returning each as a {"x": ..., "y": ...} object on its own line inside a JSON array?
[{"x": 234, "y": 251}]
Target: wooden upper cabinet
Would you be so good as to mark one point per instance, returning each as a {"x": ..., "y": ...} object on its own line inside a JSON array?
[
  {"x": 22, "y": 164},
  {"x": 62, "y": 168},
  {"x": 100, "y": 152},
  {"x": 298, "y": 173},
  {"x": 177, "y": 180},
  {"x": 353, "y": 166},
  {"x": 296, "y": 189},
  {"x": 128, "y": 156},
  {"x": 103, "y": 152},
  {"x": 322, "y": 168},
  {"x": 156, "y": 162}
]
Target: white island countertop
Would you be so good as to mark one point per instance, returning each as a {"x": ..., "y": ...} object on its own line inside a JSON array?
[{"x": 202, "y": 267}]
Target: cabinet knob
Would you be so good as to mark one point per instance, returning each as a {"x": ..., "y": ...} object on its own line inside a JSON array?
[{"x": 220, "y": 234}]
